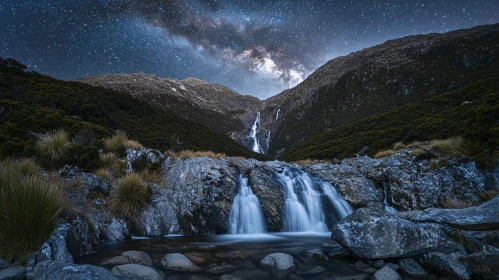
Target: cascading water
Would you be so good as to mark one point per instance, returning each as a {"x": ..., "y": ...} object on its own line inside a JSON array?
[
  {"x": 277, "y": 115},
  {"x": 388, "y": 207},
  {"x": 303, "y": 209},
  {"x": 253, "y": 135},
  {"x": 246, "y": 215}
]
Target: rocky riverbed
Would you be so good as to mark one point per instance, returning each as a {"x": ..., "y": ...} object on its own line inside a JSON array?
[{"x": 421, "y": 238}]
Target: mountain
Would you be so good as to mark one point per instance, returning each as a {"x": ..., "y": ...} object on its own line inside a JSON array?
[{"x": 33, "y": 103}]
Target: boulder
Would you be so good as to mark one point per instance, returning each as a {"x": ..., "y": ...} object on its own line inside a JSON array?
[
  {"x": 198, "y": 258},
  {"x": 316, "y": 254},
  {"x": 375, "y": 234},
  {"x": 314, "y": 271},
  {"x": 93, "y": 182},
  {"x": 135, "y": 272},
  {"x": 221, "y": 269},
  {"x": 115, "y": 261},
  {"x": 138, "y": 257},
  {"x": 482, "y": 217},
  {"x": 178, "y": 262},
  {"x": 278, "y": 261},
  {"x": 411, "y": 268},
  {"x": 484, "y": 264},
  {"x": 56, "y": 270},
  {"x": 3, "y": 263},
  {"x": 338, "y": 253},
  {"x": 386, "y": 273},
  {"x": 114, "y": 230},
  {"x": 159, "y": 218},
  {"x": 445, "y": 264},
  {"x": 393, "y": 266},
  {"x": 13, "y": 273}
]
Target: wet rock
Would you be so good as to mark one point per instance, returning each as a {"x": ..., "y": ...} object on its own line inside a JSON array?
[
  {"x": 115, "y": 231},
  {"x": 13, "y": 273},
  {"x": 198, "y": 258},
  {"x": 93, "y": 182},
  {"x": 328, "y": 245},
  {"x": 138, "y": 257},
  {"x": 363, "y": 267},
  {"x": 178, "y": 262},
  {"x": 199, "y": 277},
  {"x": 221, "y": 269},
  {"x": 118, "y": 260},
  {"x": 338, "y": 253},
  {"x": 375, "y": 234},
  {"x": 135, "y": 272},
  {"x": 393, "y": 266},
  {"x": 316, "y": 254},
  {"x": 484, "y": 264},
  {"x": 362, "y": 276},
  {"x": 279, "y": 261},
  {"x": 3, "y": 263},
  {"x": 486, "y": 237},
  {"x": 376, "y": 263},
  {"x": 230, "y": 256},
  {"x": 445, "y": 264},
  {"x": 386, "y": 273},
  {"x": 482, "y": 217},
  {"x": 55, "y": 270},
  {"x": 412, "y": 268},
  {"x": 315, "y": 271},
  {"x": 229, "y": 277}
]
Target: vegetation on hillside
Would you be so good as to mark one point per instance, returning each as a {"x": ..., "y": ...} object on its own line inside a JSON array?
[{"x": 32, "y": 104}]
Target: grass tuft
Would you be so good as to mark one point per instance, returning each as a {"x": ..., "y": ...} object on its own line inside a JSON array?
[
  {"x": 185, "y": 154},
  {"x": 305, "y": 162},
  {"x": 132, "y": 144},
  {"x": 129, "y": 195},
  {"x": 115, "y": 140},
  {"x": 383, "y": 154},
  {"x": 452, "y": 146},
  {"x": 29, "y": 209},
  {"x": 103, "y": 173},
  {"x": 53, "y": 144},
  {"x": 108, "y": 159}
]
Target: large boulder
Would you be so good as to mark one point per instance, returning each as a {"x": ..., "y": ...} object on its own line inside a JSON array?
[
  {"x": 482, "y": 217},
  {"x": 375, "y": 234},
  {"x": 56, "y": 270},
  {"x": 445, "y": 264},
  {"x": 127, "y": 257},
  {"x": 484, "y": 264},
  {"x": 412, "y": 268},
  {"x": 386, "y": 273},
  {"x": 135, "y": 272},
  {"x": 159, "y": 218},
  {"x": 278, "y": 261},
  {"x": 178, "y": 262}
]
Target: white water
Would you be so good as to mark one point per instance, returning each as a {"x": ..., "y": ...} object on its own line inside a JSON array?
[
  {"x": 246, "y": 215},
  {"x": 277, "y": 115},
  {"x": 303, "y": 209},
  {"x": 388, "y": 208},
  {"x": 253, "y": 135}
]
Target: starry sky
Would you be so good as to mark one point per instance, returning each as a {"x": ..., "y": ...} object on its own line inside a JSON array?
[{"x": 256, "y": 47}]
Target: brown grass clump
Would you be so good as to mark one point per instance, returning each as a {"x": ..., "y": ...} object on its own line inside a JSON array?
[
  {"x": 53, "y": 144},
  {"x": 398, "y": 146},
  {"x": 129, "y": 195},
  {"x": 185, "y": 154},
  {"x": 308, "y": 161},
  {"x": 28, "y": 167},
  {"x": 453, "y": 146},
  {"x": 383, "y": 154},
  {"x": 457, "y": 203},
  {"x": 117, "y": 139},
  {"x": 103, "y": 173},
  {"x": 108, "y": 159},
  {"x": 132, "y": 144}
]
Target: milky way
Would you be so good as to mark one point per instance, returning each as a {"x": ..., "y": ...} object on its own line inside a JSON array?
[{"x": 255, "y": 47}]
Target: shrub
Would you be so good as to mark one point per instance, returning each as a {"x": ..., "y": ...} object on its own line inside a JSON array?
[
  {"x": 384, "y": 153},
  {"x": 129, "y": 196},
  {"x": 53, "y": 144},
  {"x": 29, "y": 211},
  {"x": 453, "y": 146},
  {"x": 185, "y": 154},
  {"x": 85, "y": 137},
  {"x": 108, "y": 159},
  {"x": 118, "y": 139},
  {"x": 85, "y": 157}
]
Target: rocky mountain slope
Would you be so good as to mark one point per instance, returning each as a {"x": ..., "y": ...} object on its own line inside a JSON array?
[{"x": 347, "y": 89}]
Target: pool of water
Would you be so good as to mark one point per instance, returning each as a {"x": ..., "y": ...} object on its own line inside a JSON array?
[{"x": 241, "y": 254}]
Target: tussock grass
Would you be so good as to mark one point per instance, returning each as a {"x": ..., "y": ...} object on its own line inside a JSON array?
[
  {"x": 53, "y": 144},
  {"x": 132, "y": 144},
  {"x": 398, "y": 146},
  {"x": 29, "y": 209},
  {"x": 115, "y": 140},
  {"x": 384, "y": 153},
  {"x": 129, "y": 195},
  {"x": 103, "y": 173},
  {"x": 185, "y": 154},
  {"x": 453, "y": 146},
  {"x": 28, "y": 167},
  {"x": 457, "y": 203},
  {"x": 108, "y": 159},
  {"x": 308, "y": 161}
]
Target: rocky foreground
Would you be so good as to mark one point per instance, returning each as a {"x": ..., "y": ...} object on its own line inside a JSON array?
[{"x": 422, "y": 236}]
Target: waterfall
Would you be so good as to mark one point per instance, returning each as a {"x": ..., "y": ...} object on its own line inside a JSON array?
[
  {"x": 303, "y": 209},
  {"x": 246, "y": 215},
  {"x": 277, "y": 115},
  {"x": 253, "y": 135},
  {"x": 388, "y": 207}
]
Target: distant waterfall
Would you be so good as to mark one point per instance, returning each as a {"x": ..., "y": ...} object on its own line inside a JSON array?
[
  {"x": 246, "y": 215},
  {"x": 303, "y": 209},
  {"x": 277, "y": 115},
  {"x": 253, "y": 135}
]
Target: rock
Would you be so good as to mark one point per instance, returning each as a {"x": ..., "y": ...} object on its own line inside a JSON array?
[
  {"x": 328, "y": 245},
  {"x": 55, "y": 270},
  {"x": 135, "y": 272},
  {"x": 444, "y": 264},
  {"x": 484, "y": 264},
  {"x": 486, "y": 237},
  {"x": 316, "y": 254},
  {"x": 115, "y": 231},
  {"x": 199, "y": 277},
  {"x": 386, "y": 273},
  {"x": 160, "y": 216},
  {"x": 412, "y": 268},
  {"x": 375, "y": 234},
  {"x": 339, "y": 253},
  {"x": 3, "y": 263},
  {"x": 393, "y": 266},
  {"x": 315, "y": 271},
  {"x": 221, "y": 269},
  {"x": 198, "y": 258},
  {"x": 143, "y": 158},
  {"x": 279, "y": 261},
  {"x": 93, "y": 182},
  {"x": 229, "y": 277},
  {"x": 482, "y": 217},
  {"x": 138, "y": 257},
  {"x": 376, "y": 263},
  {"x": 115, "y": 261},
  {"x": 178, "y": 262},
  {"x": 69, "y": 172},
  {"x": 363, "y": 267},
  {"x": 362, "y": 276},
  {"x": 13, "y": 273}
]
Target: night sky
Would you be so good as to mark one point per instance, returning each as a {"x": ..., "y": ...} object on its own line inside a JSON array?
[{"x": 254, "y": 47}]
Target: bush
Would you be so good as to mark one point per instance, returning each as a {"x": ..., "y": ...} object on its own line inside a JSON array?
[
  {"x": 85, "y": 137},
  {"x": 29, "y": 211},
  {"x": 85, "y": 157},
  {"x": 129, "y": 196},
  {"x": 118, "y": 139},
  {"x": 52, "y": 144},
  {"x": 108, "y": 159},
  {"x": 452, "y": 146}
]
